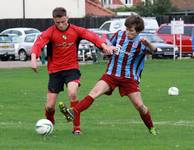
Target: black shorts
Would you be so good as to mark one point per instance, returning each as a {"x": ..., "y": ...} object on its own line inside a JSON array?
[{"x": 58, "y": 79}]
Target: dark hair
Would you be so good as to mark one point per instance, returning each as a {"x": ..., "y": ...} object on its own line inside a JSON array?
[
  {"x": 59, "y": 12},
  {"x": 135, "y": 21}
]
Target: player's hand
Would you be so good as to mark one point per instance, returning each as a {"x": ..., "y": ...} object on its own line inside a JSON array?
[
  {"x": 108, "y": 50},
  {"x": 145, "y": 42},
  {"x": 34, "y": 66},
  {"x": 33, "y": 63}
]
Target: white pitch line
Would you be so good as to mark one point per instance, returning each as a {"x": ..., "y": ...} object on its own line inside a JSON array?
[
  {"x": 188, "y": 123},
  {"x": 170, "y": 123}
]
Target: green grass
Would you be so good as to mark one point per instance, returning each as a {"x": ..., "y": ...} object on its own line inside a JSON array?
[{"x": 111, "y": 123}]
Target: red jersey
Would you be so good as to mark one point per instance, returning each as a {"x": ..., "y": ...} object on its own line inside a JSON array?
[{"x": 64, "y": 46}]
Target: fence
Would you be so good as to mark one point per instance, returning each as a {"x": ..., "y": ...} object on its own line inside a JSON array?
[{"x": 88, "y": 22}]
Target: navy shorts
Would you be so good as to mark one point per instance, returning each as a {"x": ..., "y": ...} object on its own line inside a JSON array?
[{"x": 58, "y": 79}]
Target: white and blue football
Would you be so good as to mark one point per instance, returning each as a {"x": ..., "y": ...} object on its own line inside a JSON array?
[{"x": 44, "y": 127}]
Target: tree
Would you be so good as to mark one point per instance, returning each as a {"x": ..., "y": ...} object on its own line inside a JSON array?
[
  {"x": 158, "y": 7},
  {"x": 162, "y": 7}
]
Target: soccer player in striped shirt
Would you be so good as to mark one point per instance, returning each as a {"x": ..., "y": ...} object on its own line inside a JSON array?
[{"x": 123, "y": 71}]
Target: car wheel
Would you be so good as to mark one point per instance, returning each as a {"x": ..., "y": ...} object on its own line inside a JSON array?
[
  {"x": 23, "y": 55},
  {"x": 5, "y": 58}
]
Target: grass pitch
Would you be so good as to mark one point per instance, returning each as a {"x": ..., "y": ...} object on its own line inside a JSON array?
[{"x": 111, "y": 123}]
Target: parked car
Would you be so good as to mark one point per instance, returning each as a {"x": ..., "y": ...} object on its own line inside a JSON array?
[
  {"x": 164, "y": 50},
  {"x": 151, "y": 25},
  {"x": 104, "y": 34},
  {"x": 20, "y": 32},
  {"x": 164, "y": 32},
  {"x": 24, "y": 49},
  {"x": 86, "y": 50},
  {"x": 7, "y": 50},
  {"x": 89, "y": 49},
  {"x": 18, "y": 36}
]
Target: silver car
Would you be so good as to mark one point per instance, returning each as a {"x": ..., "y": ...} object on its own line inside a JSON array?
[
  {"x": 18, "y": 36},
  {"x": 24, "y": 48},
  {"x": 7, "y": 50}
]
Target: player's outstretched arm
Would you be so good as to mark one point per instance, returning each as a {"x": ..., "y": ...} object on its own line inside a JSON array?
[{"x": 151, "y": 47}]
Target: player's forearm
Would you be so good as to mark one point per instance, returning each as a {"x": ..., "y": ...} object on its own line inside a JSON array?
[
  {"x": 33, "y": 57},
  {"x": 93, "y": 37},
  {"x": 150, "y": 46}
]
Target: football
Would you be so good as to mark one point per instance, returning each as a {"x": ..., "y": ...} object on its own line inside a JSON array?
[
  {"x": 44, "y": 127},
  {"x": 173, "y": 91}
]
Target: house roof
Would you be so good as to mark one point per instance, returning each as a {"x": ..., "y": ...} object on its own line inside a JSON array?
[
  {"x": 94, "y": 9},
  {"x": 183, "y": 4}
]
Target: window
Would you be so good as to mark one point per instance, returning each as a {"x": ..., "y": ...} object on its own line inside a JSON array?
[
  {"x": 188, "y": 30},
  {"x": 13, "y": 32},
  {"x": 128, "y": 2},
  {"x": 30, "y": 38},
  {"x": 165, "y": 30},
  {"x": 117, "y": 25},
  {"x": 106, "y": 26},
  {"x": 106, "y": 2},
  {"x": 31, "y": 31},
  {"x": 5, "y": 39}
]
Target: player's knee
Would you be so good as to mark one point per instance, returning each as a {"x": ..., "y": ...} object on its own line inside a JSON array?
[
  {"x": 142, "y": 109},
  {"x": 72, "y": 95}
]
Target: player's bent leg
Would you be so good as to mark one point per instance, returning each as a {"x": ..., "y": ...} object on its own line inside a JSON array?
[
  {"x": 143, "y": 111},
  {"x": 100, "y": 88}
]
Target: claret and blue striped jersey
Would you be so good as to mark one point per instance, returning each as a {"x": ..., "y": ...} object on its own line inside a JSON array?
[{"x": 129, "y": 60}]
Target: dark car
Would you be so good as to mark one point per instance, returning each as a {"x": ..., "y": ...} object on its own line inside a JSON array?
[{"x": 164, "y": 50}]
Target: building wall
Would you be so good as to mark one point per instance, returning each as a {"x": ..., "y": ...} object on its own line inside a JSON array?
[
  {"x": 11, "y": 9},
  {"x": 40, "y": 8}
]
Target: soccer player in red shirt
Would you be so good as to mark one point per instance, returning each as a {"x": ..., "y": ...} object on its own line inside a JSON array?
[
  {"x": 123, "y": 71},
  {"x": 63, "y": 66}
]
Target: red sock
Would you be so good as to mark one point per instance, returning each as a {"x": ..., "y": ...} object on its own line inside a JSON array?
[
  {"x": 76, "y": 121},
  {"x": 147, "y": 120},
  {"x": 50, "y": 115},
  {"x": 83, "y": 104}
]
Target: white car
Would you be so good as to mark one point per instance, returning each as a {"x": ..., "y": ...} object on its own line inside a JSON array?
[
  {"x": 85, "y": 50},
  {"x": 151, "y": 24},
  {"x": 18, "y": 36}
]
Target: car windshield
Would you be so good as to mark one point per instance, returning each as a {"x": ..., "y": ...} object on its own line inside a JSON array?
[
  {"x": 152, "y": 38},
  {"x": 31, "y": 31},
  {"x": 30, "y": 38},
  {"x": 5, "y": 39},
  {"x": 16, "y": 39}
]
